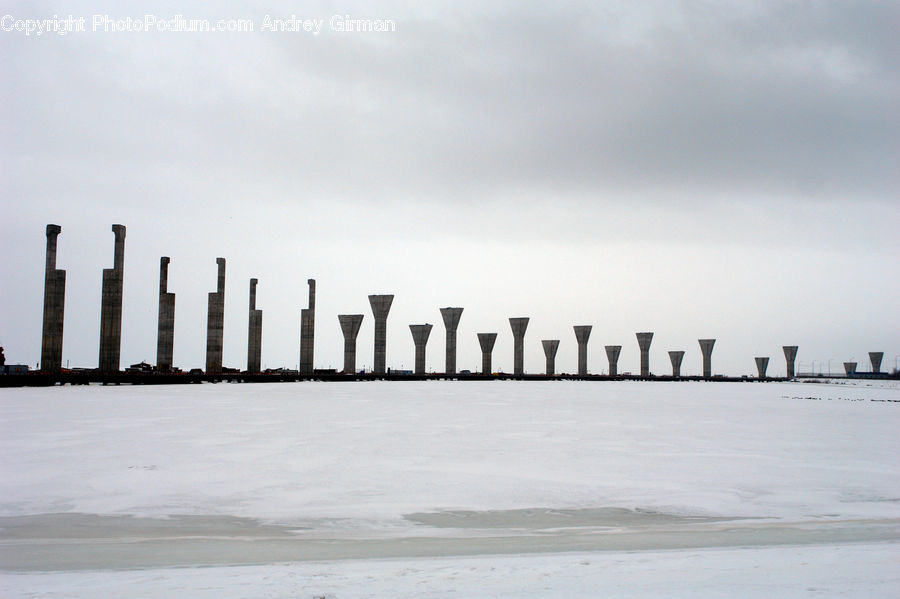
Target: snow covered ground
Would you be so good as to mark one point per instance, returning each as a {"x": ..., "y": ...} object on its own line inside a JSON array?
[{"x": 493, "y": 488}]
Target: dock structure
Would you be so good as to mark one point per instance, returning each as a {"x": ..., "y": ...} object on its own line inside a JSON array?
[
  {"x": 706, "y": 347},
  {"x": 451, "y": 323},
  {"x": 676, "y": 358},
  {"x": 486, "y": 341},
  {"x": 381, "y": 306},
  {"x": 54, "y": 306},
  {"x": 612, "y": 356},
  {"x": 350, "y": 324},
  {"x": 790, "y": 355},
  {"x": 215, "y": 322},
  {"x": 165, "y": 324},
  {"x": 762, "y": 363},
  {"x": 111, "y": 306},
  {"x": 308, "y": 331},
  {"x": 550, "y": 347},
  {"x": 518, "y": 326},
  {"x": 254, "y": 332},
  {"x": 582, "y": 333},
  {"x": 644, "y": 340},
  {"x": 420, "y": 334},
  {"x": 875, "y": 358}
]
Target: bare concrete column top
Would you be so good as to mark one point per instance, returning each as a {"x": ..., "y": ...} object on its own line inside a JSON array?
[
  {"x": 518, "y": 326},
  {"x": 420, "y": 334},
  {"x": 582, "y": 334},
  {"x": 54, "y": 306},
  {"x": 762, "y": 363},
  {"x": 706, "y": 347},
  {"x": 451, "y": 322},
  {"x": 350, "y": 324},
  {"x": 676, "y": 358},
  {"x": 215, "y": 321},
  {"x": 790, "y": 355},
  {"x": 486, "y": 341},
  {"x": 381, "y": 306},
  {"x": 165, "y": 327},
  {"x": 849, "y": 368},
  {"x": 254, "y": 332},
  {"x": 875, "y": 358},
  {"x": 644, "y": 340},
  {"x": 550, "y": 346},
  {"x": 111, "y": 306},
  {"x": 612, "y": 355}
]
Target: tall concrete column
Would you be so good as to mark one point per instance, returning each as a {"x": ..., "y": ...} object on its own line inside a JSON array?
[
  {"x": 254, "y": 332},
  {"x": 644, "y": 340},
  {"x": 486, "y": 341},
  {"x": 761, "y": 365},
  {"x": 582, "y": 333},
  {"x": 612, "y": 355},
  {"x": 451, "y": 322},
  {"x": 215, "y": 322},
  {"x": 790, "y": 354},
  {"x": 676, "y": 357},
  {"x": 381, "y": 305},
  {"x": 308, "y": 331},
  {"x": 350, "y": 324},
  {"x": 165, "y": 327},
  {"x": 111, "y": 306},
  {"x": 550, "y": 347},
  {"x": 420, "y": 333},
  {"x": 54, "y": 306},
  {"x": 706, "y": 347},
  {"x": 518, "y": 326},
  {"x": 849, "y": 368},
  {"x": 875, "y": 358}
]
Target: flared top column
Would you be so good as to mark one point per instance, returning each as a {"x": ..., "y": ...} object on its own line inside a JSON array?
[
  {"x": 582, "y": 334},
  {"x": 451, "y": 322},
  {"x": 381, "y": 306},
  {"x": 518, "y": 326}
]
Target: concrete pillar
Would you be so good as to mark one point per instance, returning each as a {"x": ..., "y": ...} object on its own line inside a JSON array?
[
  {"x": 706, "y": 346},
  {"x": 790, "y": 354},
  {"x": 582, "y": 332},
  {"x": 111, "y": 306},
  {"x": 165, "y": 327},
  {"x": 761, "y": 365},
  {"x": 215, "y": 322},
  {"x": 54, "y": 306},
  {"x": 612, "y": 354},
  {"x": 518, "y": 326},
  {"x": 381, "y": 305},
  {"x": 350, "y": 324},
  {"x": 849, "y": 368},
  {"x": 420, "y": 333},
  {"x": 644, "y": 340},
  {"x": 676, "y": 357},
  {"x": 486, "y": 341},
  {"x": 550, "y": 347},
  {"x": 308, "y": 331},
  {"x": 451, "y": 322},
  {"x": 875, "y": 358},
  {"x": 254, "y": 332}
]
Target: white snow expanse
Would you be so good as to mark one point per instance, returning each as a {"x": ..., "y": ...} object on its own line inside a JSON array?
[{"x": 451, "y": 489}]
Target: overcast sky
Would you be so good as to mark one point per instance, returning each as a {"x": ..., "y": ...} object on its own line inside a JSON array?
[{"x": 696, "y": 169}]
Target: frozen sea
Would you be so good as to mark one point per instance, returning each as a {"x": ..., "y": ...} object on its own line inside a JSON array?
[{"x": 451, "y": 489}]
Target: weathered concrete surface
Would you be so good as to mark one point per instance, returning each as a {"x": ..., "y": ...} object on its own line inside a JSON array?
[
  {"x": 54, "y": 306},
  {"x": 790, "y": 355},
  {"x": 254, "y": 332},
  {"x": 550, "y": 347},
  {"x": 308, "y": 331},
  {"x": 582, "y": 334},
  {"x": 381, "y": 306},
  {"x": 849, "y": 368},
  {"x": 215, "y": 322},
  {"x": 612, "y": 355},
  {"x": 111, "y": 306},
  {"x": 706, "y": 347},
  {"x": 165, "y": 327},
  {"x": 486, "y": 341},
  {"x": 518, "y": 326},
  {"x": 762, "y": 364},
  {"x": 420, "y": 333},
  {"x": 676, "y": 358},
  {"x": 875, "y": 358},
  {"x": 644, "y": 340},
  {"x": 451, "y": 322},
  {"x": 350, "y": 324}
]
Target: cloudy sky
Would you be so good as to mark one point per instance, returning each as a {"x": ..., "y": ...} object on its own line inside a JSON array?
[{"x": 696, "y": 169}]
